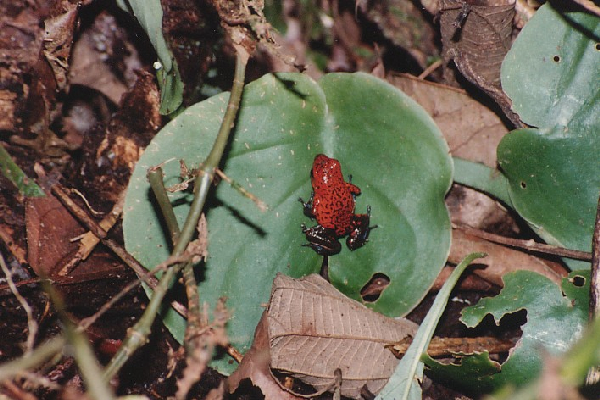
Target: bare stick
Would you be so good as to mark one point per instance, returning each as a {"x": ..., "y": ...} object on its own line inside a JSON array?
[
  {"x": 530, "y": 244},
  {"x": 593, "y": 375},
  {"x": 595, "y": 273},
  {"x": 31, "y": 323}
]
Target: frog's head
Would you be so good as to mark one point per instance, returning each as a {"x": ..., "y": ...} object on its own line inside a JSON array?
[{"x": 325, "y": 172}]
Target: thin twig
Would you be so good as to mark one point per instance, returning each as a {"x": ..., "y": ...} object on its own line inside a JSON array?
[
  {"x": 589, "y": 5},
  {"x": 529, "y": 245},
  {"x": 430, "y": 69},
  {"x": 138, "y": 335},
  {"x": 97, "y": 230},
  {"x": 32, "y": 325},
  {"x": 180, "y": 308},
  {"x": 89, "y": 241},
  {"x": 595, "y": 273},
  {"x": 593, "y": 375},
  {"x": 39, "y": 355},
  {"x": 259, "y": 203}
]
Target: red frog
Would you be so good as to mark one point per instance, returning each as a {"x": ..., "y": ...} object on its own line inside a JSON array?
[{"x": 332, "y": 203}]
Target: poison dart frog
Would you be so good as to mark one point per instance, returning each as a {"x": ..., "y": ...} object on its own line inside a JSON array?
[{"x": 332, "y": 204}]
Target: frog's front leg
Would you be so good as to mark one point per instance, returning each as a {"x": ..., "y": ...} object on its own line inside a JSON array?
[
  {"x": 359, "y": 230},
  {"x": 322, "y": 240},
  {"x": 307, "y": 206}
]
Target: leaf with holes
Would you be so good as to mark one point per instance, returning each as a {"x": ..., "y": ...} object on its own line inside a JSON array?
[
  {"x": 554, "y": 323},
  {"x": 391, "y": 147},
  {"x": 551, "y": 75}
]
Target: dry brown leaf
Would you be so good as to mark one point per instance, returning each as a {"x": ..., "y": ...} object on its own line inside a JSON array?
[
  {"x": 94, "y": 55},
  {"x": 471, "y": 129},
  {"x": 256, "y": 366},
  {"x": 477, "y": 210},
  {"x": 501, "y": 259},
  {"x": 58, "y": 40},
  {"x": 314, "y": 329},
  {"x": 50, "y": 230},
  {"x": 20, "y": 44},
  {"x": 477, "y": 38}
]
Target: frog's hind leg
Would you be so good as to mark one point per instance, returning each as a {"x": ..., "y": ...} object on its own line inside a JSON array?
[{"x": 359, "y": 230}]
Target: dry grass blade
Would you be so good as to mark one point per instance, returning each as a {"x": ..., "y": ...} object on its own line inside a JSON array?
[{"x": 314, "y": 330}]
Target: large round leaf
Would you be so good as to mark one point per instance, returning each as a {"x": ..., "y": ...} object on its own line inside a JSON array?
[
  {"x": 391, "y": 147},
  {"x": 551, "y": 75}
]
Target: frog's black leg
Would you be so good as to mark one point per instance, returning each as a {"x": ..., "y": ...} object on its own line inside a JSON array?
[
  {"x": 322, "y": 240},
  {"x": 369, "y": 215},
  {"x": 307, "y": 206},
  {"x": 350, "y": 181},
  {"x": 359, "y": 230}
]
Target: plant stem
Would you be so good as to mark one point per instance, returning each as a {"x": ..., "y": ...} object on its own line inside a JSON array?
[
  {"x": 137, "y": 336},
  {"x": 203, "y": 180},
  {"x": 155, "y": 177}
]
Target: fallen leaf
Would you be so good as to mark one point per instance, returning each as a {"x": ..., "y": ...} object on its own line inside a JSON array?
[
  {"x": 256, "y": 366},
  {"x": 50, "y": 230},
  {"x": 94, "y": 54},
  {"x": 58, "y": 41},
  {"x": 472, "y": 130},
  {"x": 313, "y": 330},
  {"x": 501, "y": 259},
  {"x": 477, "y": 38}
]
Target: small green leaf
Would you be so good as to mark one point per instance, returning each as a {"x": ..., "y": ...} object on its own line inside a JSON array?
[
  {"x": 554, "y": 323},
  {"x": 551, "y": 75},
  {"x": 149, "y": 13},
  {"x": 13, "y": 173},
  {"x": 482, "y": 177},
  {"x": 391, "y": 147}
]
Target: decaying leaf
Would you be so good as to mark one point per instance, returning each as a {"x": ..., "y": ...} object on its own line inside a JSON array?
[
  {"x": 255, "y": 366},
  {"x": 50, "y": 230},
  {"x": 477, "y": 38},
  {"x": 313, "y": 329},
  {"x": 472, "y": 130},
  {"x": 501, "y": 259},
  {"x": 58, "y": 40}
]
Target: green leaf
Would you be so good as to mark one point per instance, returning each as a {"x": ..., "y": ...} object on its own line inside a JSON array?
[
  {"x": 391, "y": 147},
  {"x": 149, "y": 14},
  {"x": 584, "y": 355},
  {"x": 482, "y": 177},
  {"x": 15, "y": 174},
  {"x": 403, "y": 383},
  {"x": 554, "y": 323},
  {"x": 551, "y": 75}
]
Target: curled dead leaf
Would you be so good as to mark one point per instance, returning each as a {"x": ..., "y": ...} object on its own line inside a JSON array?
[{"x": 477, "y": 38}]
